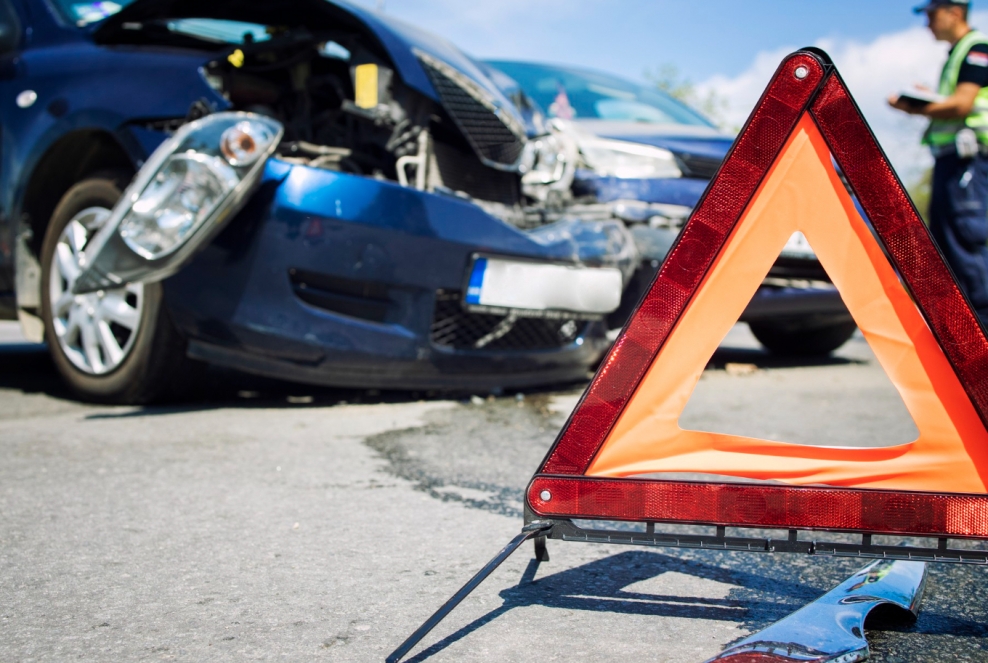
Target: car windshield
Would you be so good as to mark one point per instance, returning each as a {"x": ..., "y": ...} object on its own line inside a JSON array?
[
  {"x": 84, "y": 13},
  {"x": 208, "y": 29},
  {"x": 234, "y": 32},
  {"x": 581, "y": 94}
]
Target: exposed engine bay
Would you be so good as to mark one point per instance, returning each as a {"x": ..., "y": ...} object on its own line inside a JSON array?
[{"x": 345, "y": 109}]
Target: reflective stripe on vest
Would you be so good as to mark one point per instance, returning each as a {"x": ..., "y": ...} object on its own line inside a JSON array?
[{"x": 944, "y": 132}]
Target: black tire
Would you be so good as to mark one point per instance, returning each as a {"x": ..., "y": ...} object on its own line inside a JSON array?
[
  {"x": 800, "y": 338},
  {"x": 156, "y": 367}
]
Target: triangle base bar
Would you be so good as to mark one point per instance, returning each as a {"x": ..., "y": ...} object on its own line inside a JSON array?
[
  {"x": 797, "y": 541},
  {"x": 761, "y": 505}
]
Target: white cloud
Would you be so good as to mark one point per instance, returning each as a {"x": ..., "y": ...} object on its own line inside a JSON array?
[{"x": 873, "y": 70}]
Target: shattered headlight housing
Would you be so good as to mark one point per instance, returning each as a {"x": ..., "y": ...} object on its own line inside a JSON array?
[
  {"x": 621, "y": 159},
  {"x": 549, "y": 162},
  {"x": 196, "y": 181}
]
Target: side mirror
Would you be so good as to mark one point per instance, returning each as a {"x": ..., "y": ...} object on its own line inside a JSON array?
[{"x": 10, "y": 28}]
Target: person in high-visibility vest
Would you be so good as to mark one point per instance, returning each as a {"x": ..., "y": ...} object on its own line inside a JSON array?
[{"x": 958, "y": 138}]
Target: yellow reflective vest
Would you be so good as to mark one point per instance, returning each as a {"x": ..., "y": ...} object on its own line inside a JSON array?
[{"x": 944, "y": 132}]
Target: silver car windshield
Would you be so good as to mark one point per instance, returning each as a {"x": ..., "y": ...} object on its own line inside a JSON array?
[{"x": 575, "y": 94}]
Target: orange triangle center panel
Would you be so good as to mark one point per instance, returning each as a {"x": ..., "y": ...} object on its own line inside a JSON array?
[{"x": 803, "y": 192}]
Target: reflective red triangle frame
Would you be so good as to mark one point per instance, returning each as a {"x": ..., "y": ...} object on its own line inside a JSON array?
[{"x": 910, "y": 248}]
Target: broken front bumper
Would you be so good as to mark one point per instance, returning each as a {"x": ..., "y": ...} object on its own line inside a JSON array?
[
  {"x": 796, "y": 287},
  {"x": 342, "y": 280}
]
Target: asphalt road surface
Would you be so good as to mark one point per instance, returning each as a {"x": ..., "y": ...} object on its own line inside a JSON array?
[{"x": 265, "y": 521}]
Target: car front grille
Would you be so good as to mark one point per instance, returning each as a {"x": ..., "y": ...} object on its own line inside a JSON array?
[
  {"x": 455, "y": 328},
  {"x": 699, "y": 167},
  {"x": 495, "y": 136},
  {"x": 460, "y": 170}
]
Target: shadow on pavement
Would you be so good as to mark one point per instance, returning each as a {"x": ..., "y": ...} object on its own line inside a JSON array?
[
  {"x": 26, "y": 367},
  {"x": 599, "y": 586},
  {"x": 764, "y": 359}
]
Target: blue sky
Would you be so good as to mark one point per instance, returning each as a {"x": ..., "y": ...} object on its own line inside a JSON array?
[{"x": 702, "y": 38}]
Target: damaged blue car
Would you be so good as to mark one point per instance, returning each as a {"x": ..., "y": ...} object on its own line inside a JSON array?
[{"x": 300, "y": 189}]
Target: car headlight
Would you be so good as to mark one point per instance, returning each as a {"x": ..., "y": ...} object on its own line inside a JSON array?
[
  {"x": 618, "y": 158},
  {"x": 192, "y": 182},
  {"x": 181, "y": 197}
]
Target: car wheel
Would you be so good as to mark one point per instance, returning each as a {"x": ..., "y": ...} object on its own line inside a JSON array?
[
  {"x": 798, "y": 338},
  {"x": 116, "y": 346}
]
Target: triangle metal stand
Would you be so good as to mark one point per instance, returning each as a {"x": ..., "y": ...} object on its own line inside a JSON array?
[
  {"x": 905, "y": 565},
  {"x": 536, "y": 530}
]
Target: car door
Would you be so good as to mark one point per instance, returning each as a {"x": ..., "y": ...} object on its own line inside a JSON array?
[{"x": 10, "y": 37}]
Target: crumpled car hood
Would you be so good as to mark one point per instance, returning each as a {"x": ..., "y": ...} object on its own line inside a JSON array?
[{"x": 396, "y": 38}]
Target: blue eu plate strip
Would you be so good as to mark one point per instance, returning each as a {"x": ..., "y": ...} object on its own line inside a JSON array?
[{"x": 476, "y": 284}]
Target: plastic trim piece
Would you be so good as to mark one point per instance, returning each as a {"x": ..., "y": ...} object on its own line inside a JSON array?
[{"x": 831, "y": 629}]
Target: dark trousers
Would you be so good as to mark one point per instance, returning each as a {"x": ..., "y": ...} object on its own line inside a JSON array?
[{"x": 959, "y": 223}]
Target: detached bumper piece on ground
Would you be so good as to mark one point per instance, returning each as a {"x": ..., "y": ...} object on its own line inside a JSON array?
[{"x": 831, "y": 629}]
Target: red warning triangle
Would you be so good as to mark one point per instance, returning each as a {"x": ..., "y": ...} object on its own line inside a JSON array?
[{"x": 779, "y": 178}]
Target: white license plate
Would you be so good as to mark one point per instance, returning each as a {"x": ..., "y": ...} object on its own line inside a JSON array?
[
  {"x": 540, "y": 287},
  {"x": 798, "y": 247}
]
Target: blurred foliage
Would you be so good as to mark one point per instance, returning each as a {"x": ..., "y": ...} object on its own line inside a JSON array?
[
  {"x": 668, "y": 78},
  {"x": 920, "y": 191}
]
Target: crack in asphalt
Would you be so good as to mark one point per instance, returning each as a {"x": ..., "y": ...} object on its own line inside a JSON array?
[
  {"x": 502, "y": 500},
  {"x": 479, "y": 453}
]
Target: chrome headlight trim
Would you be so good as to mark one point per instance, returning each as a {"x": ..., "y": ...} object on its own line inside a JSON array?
[{"x": 110, "y": 260}]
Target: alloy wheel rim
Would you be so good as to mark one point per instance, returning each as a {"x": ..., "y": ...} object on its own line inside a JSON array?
[{"x": 95, "y": 331}]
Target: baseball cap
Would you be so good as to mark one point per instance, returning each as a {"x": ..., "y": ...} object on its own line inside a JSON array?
[{"x": 933, "y": 4}]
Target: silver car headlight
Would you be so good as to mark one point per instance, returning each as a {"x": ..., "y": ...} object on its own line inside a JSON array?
[
  {"x": 180, "y": 199},
  {"x": 618, "y": 158},
  {"x": 182, "y": 196}
]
